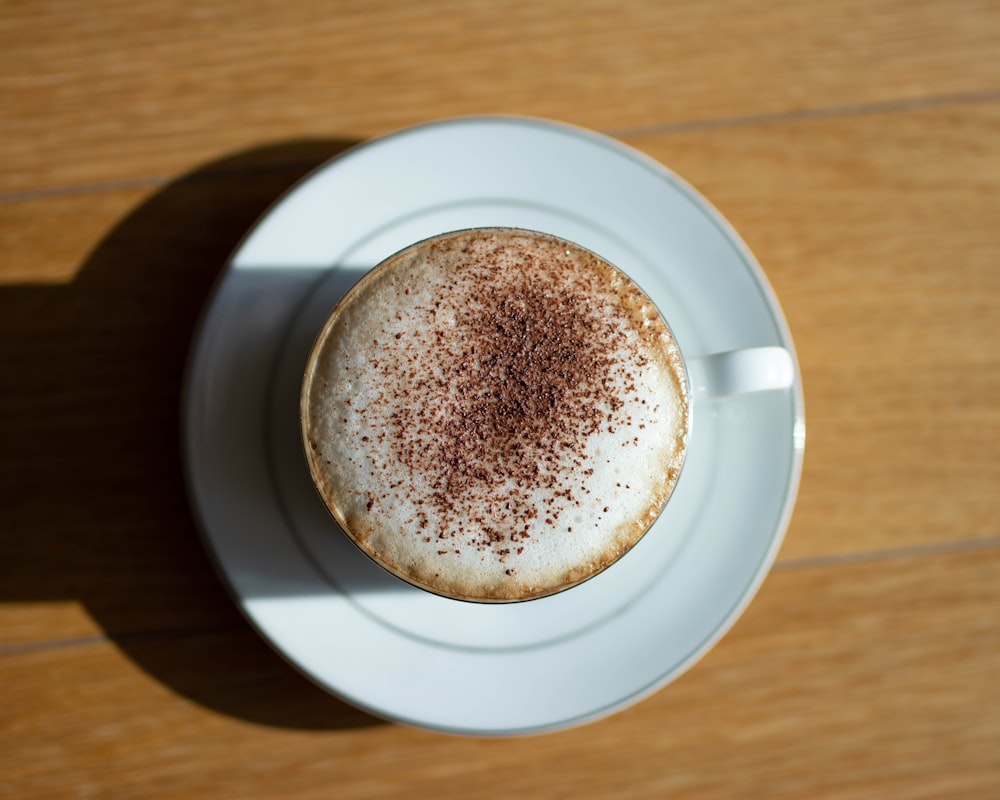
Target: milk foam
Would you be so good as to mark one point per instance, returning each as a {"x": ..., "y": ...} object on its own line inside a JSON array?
[{"x": 495, "y": 414}]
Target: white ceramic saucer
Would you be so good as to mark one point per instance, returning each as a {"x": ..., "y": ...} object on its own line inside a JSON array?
[{"x": 417, "y": 658}]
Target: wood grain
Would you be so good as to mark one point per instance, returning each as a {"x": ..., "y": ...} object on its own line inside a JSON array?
[
  {"x": 840, "y": 682},
  {"x": 111, "y": 90},
  {"x": 853, "y": 144}
]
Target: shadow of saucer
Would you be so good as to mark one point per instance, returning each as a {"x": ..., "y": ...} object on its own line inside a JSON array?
[{"x": 92, "y": 503}]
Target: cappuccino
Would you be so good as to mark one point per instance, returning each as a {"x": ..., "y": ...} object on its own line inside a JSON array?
[{"x": 495, "y": 414}]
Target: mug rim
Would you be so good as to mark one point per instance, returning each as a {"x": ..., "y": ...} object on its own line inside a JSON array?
[{"x": 686, "y": 395}]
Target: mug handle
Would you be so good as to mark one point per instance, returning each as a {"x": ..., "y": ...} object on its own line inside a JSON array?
[{"x": 756, "y": 369}]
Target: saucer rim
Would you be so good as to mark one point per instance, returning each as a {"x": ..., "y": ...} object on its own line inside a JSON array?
[{"x": 790, "y": 490}]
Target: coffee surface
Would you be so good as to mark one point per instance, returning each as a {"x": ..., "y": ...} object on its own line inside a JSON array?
[{"x": 495, "y": 414}]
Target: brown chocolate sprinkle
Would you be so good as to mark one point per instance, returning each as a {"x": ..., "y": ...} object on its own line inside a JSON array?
[{"x": 504, "y": 402}]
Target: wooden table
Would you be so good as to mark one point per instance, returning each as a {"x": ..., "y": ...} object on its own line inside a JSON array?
[{"x": 856, "y": 147}]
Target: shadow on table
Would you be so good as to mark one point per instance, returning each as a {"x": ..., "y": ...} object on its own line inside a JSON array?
[{"x": 92, "y": 502}]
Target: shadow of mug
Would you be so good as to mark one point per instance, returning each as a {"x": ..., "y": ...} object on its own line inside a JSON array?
[{"x": 93, "y": 503}]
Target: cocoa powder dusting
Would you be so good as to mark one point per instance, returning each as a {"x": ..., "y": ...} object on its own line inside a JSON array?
[{"x": 502, "y": 402}]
